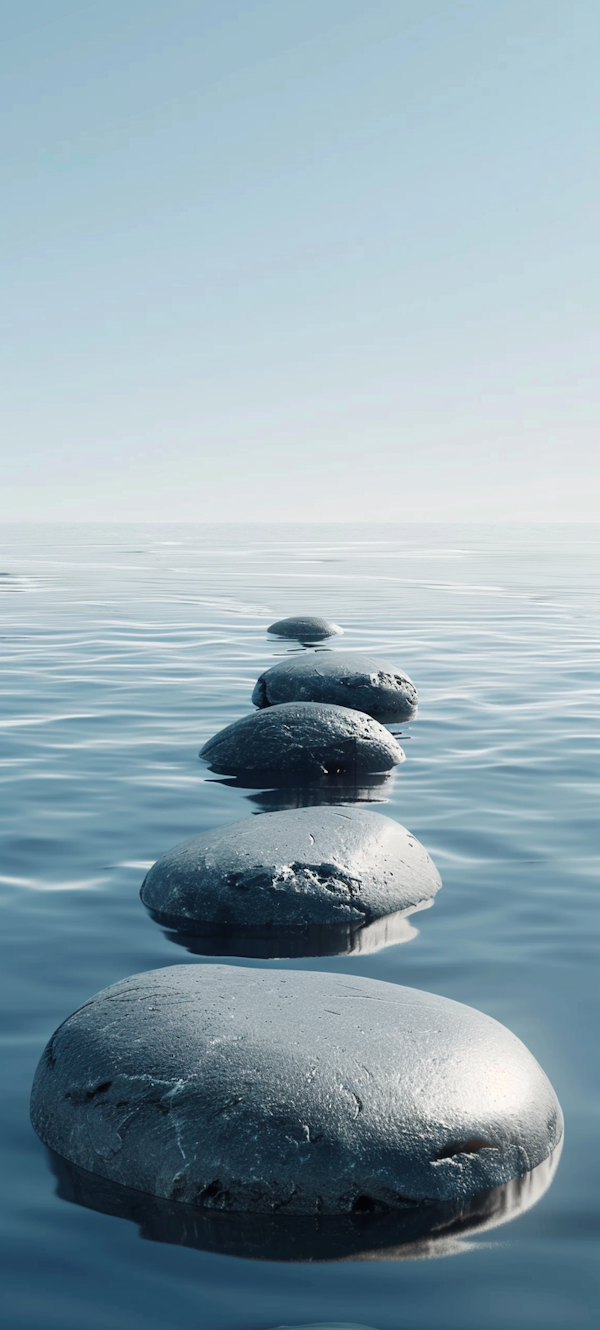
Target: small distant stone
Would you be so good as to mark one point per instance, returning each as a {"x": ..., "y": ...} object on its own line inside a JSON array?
[
  {"x": 252, "y": 1090},
  {"x": 308, "y": 737},
  {"x": 305, "y": 628},
  {"x": 294, "y": 869},
  {"x": 346, "y": 679}
]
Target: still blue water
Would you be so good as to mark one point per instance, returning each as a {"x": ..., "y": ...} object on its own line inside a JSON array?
[{"x": 123, "y": 649}]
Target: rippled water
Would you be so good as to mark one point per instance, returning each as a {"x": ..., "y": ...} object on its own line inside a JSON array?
[{"x": 123, "y": 649}]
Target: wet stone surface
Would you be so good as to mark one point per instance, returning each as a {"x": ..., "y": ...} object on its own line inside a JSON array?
[
  {"x": 344, "y": 678},
  {"x": 309, "y": 737},
  {"x": 299, "y": 868},
  {"x": 265, "y": 1091},
  {"x": 305, "y": 628}
]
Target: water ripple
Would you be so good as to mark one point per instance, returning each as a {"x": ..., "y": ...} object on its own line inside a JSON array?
[{"x": 123, "y": 649}]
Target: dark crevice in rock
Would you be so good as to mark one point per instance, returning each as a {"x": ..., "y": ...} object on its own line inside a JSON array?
[
  {"x": 213, "y": 1189},
  {"x": 364, "y": 1205},
  {"x": 81, "y": 1097},
  {"x": 215, "y": 1196},
  {"x": 470, "y": 1147},
  {"x": 100, "y": 1089}
]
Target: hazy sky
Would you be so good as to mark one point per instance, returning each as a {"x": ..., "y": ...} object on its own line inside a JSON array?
[{"x": 306, "y": 258}]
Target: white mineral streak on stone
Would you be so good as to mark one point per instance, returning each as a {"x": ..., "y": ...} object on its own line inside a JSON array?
[
  {"x": 343, "y": 678},
  {"x": 308, "y": 737},
  {"x": 210, "y": 1075}
]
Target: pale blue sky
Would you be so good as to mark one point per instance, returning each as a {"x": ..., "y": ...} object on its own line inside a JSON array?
[{"x": 306, "y": 258}]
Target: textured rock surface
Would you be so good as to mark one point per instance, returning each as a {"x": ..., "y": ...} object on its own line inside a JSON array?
[
  {"x": 345, "y": 678},
  {"x": 270, "y": 1090},
  {"x": 302, "y": 867},
  {"x": 305, "y": 628},
  {"x": 308, "y": 737}
]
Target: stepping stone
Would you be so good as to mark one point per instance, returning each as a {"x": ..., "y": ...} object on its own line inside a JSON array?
[
  {"x": 305, "y": 628},
  {"x": 296, "y": 869},
  {"x": 346, "y": 679},
  {"x": 308, "y": 737},
  {"x": 262, "y": 1090}
]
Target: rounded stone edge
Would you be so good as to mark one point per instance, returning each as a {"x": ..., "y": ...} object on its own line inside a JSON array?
[
  {"x": 387, "y": 742},
  {"x": 403, "y": 702},
  {"x": 349, "y": 912},
  {"x": 321, "y": 630}
]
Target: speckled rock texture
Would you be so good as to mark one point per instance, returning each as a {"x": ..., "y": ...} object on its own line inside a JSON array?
[
  {"x": 271, "y": 1090},
  {"x": 308, "y": 737},
  {"x": 344, "y": 678},
  {"x": 303, "y": 867},
  {"x": 305, "y": 628}
]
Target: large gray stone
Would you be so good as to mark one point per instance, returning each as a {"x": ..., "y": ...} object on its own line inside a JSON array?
[
  {"x": 308, "y": 866},
  {"x": 308, "y": 737},
  {"x": 305, "y": 628},
  {"x": 264, "y": 1090},
  {"x": 344, "y": 678}
]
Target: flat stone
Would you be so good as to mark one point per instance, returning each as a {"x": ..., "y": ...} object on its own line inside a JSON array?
[
  {"x": 305, "y": 628},
  {"x": 309, "y": 737},
  {"x": 262, "y": 1090},
  {"x": 303, "y": 867},
  {"x": 344, "y": 678}
]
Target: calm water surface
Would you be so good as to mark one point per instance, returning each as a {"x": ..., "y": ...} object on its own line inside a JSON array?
[{"x": 123, "y": 649}]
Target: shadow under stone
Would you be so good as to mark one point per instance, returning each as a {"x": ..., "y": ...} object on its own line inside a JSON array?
[
  {"x": 275, "y": 793},
  {"x": 415, "y": 1233},
  {"x": 284, "y": 944}
]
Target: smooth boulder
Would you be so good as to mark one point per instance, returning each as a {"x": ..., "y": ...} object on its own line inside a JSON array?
[
  {"x": 263, "y": 1090},
  {"x": 305, "y": 628},
  {"x": 346, "y": 679},
  {"x": 303, "y": 867},
  {"x": 308, "y": 737}
]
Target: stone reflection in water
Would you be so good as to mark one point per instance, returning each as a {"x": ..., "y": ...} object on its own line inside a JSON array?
[
  {"x": 286, "y": 944},
  {"x": 272, "y": 796},
  {"x": 418, "y": 1232}
]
